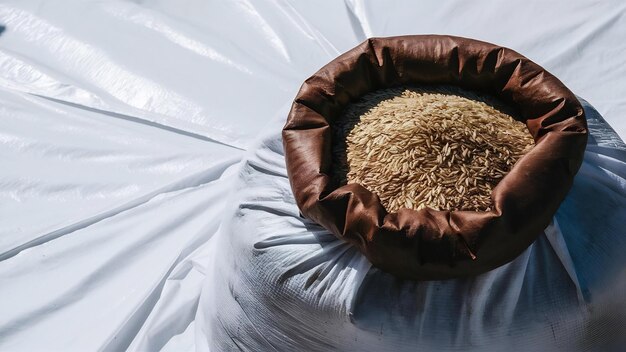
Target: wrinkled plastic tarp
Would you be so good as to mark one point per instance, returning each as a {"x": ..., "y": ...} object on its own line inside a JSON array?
[{"x": 123, "y": 125}]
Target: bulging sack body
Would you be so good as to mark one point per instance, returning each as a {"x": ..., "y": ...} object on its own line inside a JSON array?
[
  {"x": 280, "y": 282},
  {"x": 429, "y": 244}
]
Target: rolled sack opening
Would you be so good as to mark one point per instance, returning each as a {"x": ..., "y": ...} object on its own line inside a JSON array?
[{"x": 430, "y": 244}]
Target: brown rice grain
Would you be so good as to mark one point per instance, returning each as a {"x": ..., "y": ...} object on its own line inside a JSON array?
[{"x": 441, "y": 147}]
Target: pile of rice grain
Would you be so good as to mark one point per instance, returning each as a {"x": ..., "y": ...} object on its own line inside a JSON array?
[{"x": 442, "y": 147}]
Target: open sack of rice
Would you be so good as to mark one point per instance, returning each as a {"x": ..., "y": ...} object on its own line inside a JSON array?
[{"x": 427, "y": 192}]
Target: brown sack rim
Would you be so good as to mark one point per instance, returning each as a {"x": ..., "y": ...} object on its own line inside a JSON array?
[{"x": 429, "y": 244}]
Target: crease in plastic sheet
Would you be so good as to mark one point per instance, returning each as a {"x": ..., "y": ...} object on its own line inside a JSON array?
[{"x": 122, "y": 125}]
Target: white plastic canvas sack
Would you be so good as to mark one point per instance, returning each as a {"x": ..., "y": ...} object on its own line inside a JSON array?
[{"x": 280, "y": 282}]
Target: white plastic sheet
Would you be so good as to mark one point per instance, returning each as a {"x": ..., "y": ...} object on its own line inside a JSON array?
[{"x": 122, "y": 126}]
